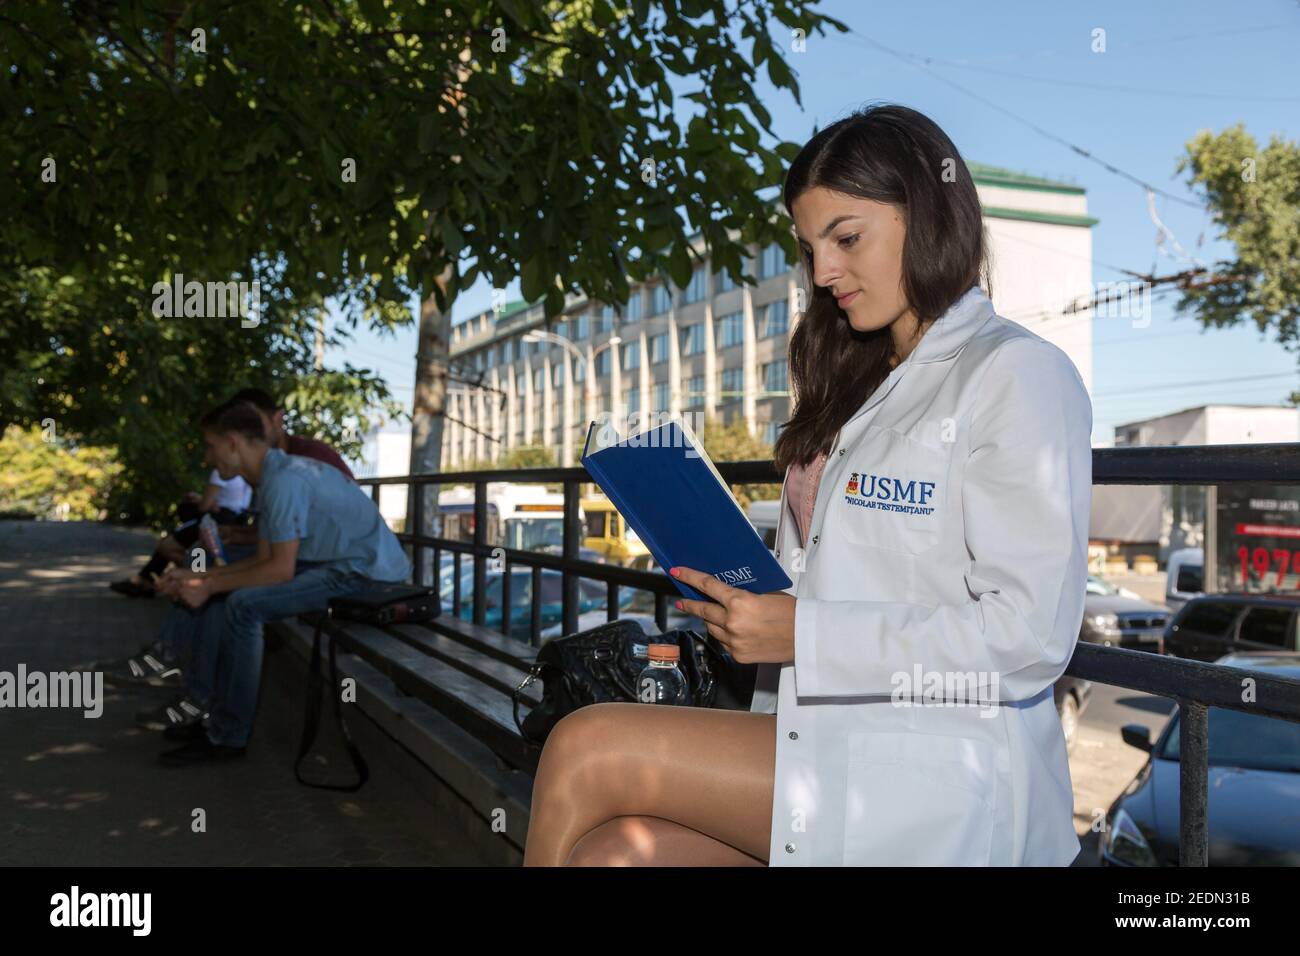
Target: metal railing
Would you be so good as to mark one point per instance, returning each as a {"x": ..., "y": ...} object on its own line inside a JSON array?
[{"x": 1194, "y": 686}]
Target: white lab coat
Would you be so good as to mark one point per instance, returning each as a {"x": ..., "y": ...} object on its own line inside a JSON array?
[{"x": 986, "y": 428}]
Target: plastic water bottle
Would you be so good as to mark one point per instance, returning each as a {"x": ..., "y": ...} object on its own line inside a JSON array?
[
  {"x": 210, "y": 538},
  {"x": 661, "y": 681}
]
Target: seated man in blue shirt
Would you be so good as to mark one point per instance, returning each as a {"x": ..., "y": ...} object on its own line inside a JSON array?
[{"x": 320, "y": 536}]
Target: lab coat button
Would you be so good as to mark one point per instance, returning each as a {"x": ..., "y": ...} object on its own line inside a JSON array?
[
  {"x": 815, "y": 537},
  {"x": 794, "y": 735},
  {"x": 789, "y": 848},
  {"x": 841, "y": 451}
]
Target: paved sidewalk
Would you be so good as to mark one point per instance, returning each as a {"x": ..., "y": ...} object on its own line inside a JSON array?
[{"x": 78, "y": 791}]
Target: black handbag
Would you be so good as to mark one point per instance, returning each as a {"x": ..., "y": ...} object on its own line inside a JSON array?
[
  {"x": 376, "y": 603},
  {"x": 603, "y": 663}
]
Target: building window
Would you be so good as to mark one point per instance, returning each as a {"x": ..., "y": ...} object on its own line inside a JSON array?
[
  {"x": 694, "y": 391},
  {"x": 776, "y": 376},
  {"x": 661, "y": 299},
  {"x": 507, "y": 353},
  {"x": 772, "y": 262},
  {"x": 695, "y": 288},
  {"x": 771, "y": 431},
  {"x": 722, "y": 282},
  {"x": 602, "y": 362},
  {"x": 632, "y": 355},
  {"x": 634, "y": 306},
  {"x": 605, "y": 319},
  {"x": 580, "y": 330},
  {"x": 693, "y": 339},
  {"x": 659, "y": 348},
  {"x": 660, "y": 397},
  {"x": 731, "y": 329},
  {"x": 491, "y": 358},
  {"x": 633, "y": 404},
  {"x": 557, "y": 374},
  {"x": 731, "y": 384},
  {"x": 537, "y": 380},
  {"x": 776, "y": 319},
  {"x": 579, "y": 371}
]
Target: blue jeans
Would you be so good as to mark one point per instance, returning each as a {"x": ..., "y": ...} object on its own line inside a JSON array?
[
  {"x": 181, "y": 630},
  {"x": 227, "y": 657}
]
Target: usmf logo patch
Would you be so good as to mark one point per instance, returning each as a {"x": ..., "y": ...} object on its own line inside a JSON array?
[{"x": 909, "y": 496}]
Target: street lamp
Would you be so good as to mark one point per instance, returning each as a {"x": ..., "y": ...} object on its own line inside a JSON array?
[{"x": 566, "y": 420}]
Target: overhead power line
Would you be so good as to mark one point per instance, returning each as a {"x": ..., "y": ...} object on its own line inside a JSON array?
[{"x": 918, "y": 60}]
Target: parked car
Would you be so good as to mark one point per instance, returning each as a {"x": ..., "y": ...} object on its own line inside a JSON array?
[
  {"x": 1207, "y": 627},
  {"x": 1113, "y": 619},
  {"x": 1071, "y": 694},
  {"x": 1184, "y": 577},
  {"x": 592, "y": 596},
  {"x": 1253, "y": 795},
  {"x": 763, "y": 516},
  {"x": 637, "y": 604}
]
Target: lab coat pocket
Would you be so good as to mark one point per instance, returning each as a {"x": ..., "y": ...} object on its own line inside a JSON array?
[
  {"x": 895, "y": 492},
  {"x": 916, "y": 799}
]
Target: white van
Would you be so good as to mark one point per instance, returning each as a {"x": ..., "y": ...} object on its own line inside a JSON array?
[{"x": 1184, "y": 577}]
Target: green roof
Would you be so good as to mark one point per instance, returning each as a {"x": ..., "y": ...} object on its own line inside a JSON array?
[{"x": 997, "y": 176}]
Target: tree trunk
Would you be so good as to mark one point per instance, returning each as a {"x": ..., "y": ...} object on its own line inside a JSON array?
[
  {"x": 431, "y": 361},
  {"x": 432, "y": 358}
]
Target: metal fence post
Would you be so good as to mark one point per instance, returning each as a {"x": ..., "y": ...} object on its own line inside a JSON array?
[{"x": 1193, "y": 783}]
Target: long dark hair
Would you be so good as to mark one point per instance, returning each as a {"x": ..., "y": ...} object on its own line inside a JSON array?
[{"x": 894, "y": 155}]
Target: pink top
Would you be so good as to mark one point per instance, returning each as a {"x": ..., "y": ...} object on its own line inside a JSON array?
[{"x": 802, "y": 492}]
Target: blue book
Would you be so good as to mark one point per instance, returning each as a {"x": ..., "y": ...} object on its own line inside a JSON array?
[{"x": 664, "y": 485}]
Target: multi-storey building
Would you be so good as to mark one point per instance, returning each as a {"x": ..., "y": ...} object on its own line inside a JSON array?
[{"x": 718, "y": 347}]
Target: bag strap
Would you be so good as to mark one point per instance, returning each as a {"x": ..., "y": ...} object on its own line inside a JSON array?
[
  {"x": 533, "y": 673},
  {"x": 311, "y": 719}
]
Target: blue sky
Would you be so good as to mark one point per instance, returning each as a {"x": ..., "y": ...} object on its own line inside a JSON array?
[{"x": 1169, "y": 70}]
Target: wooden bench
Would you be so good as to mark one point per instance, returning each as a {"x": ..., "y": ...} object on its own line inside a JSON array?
[{"x": 442, "y": 690}]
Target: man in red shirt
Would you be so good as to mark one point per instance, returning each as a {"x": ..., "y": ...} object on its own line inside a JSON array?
[{"x": 273, "y": 418}]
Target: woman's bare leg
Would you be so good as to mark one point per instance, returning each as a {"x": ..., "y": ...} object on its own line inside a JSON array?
[
  {"x": 650, "y": 841},
  {"x": 708, "y": 770}
]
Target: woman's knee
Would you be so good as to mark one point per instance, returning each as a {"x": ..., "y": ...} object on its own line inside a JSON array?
[
  {"x": 580, "y": 743},
  {"x": 619, "y": 842}
]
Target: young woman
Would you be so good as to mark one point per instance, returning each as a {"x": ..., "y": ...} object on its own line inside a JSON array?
[{"x": 938, "y": 477}]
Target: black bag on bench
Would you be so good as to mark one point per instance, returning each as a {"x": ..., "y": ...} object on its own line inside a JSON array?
[
  {"x": 378, "y": 603},
  {"x": 602, "y": 664}
]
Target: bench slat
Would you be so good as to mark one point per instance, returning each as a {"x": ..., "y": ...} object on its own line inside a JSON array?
[
  {"x": 479, "y": 708},
  {"x": 483, "y": 639},
  {"x": 504, "y": 677}
]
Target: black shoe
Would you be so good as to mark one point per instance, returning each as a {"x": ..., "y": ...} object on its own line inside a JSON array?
[
  {"x": 133, "y": 590},
  {"x": 199, "y": 751},
  {"x": 149, "y": 670},
  {"x": 181, "y": 712},
  {"x": 183, "y": 733}
]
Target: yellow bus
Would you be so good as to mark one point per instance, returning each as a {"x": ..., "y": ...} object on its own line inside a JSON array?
[{"x": 605, "y": 531}]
